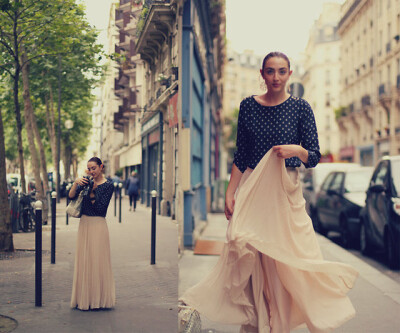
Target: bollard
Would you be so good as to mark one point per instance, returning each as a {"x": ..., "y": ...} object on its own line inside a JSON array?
[
  {"x": 68, "y": 188},
  {"x": 120, "y": 198},
  {"x": 53, "y": 226},
  {"x": 153, "y": 226},
  {"x": 38, "y": 254},
  {"x": 115, "y": 199}
]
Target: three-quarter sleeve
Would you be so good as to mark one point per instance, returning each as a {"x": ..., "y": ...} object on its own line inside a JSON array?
[
  {"x": 103, "y": 196},
  {"x": 241, "y": 155},
  {"x": 309, "y": 135}
]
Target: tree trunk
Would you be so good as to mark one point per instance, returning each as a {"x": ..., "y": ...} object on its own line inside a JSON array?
[
  {"x": 67, "y": 159},
  {"x": 19, "y": 130},
  {"x": 17, "y": 66},
  {"x": 52, "y": 131},
  {"x": 6, "y": 237},
  {"x": 43, "y": 166},
  {"x": 29, "y": 128}
]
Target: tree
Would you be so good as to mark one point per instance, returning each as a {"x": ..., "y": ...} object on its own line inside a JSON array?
[
  {"x": 24, "y": 42},
  {"x": 6, "y": 239}
]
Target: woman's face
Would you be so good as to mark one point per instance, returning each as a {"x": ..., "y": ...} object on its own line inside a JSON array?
[
  {"x": 94, "y": 169},
  {"x": 276, "y": 73}
]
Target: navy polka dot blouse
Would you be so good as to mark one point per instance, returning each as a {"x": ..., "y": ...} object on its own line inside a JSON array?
[
  {"x": 262, "y": 127},
  {"x": 102, "y": 194}
]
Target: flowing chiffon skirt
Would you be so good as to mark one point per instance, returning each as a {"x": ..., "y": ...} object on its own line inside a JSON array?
[
  {"x": 271, "y": 275},
  {"x": 93, "y": 284}
]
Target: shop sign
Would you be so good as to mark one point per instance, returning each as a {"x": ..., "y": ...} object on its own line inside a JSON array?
[
  {"x": 173, "y": 110},
  {"x": 151, "y": 123},
  {"x": 347, "y": 151}
]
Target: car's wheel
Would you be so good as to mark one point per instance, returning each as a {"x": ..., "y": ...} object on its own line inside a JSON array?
[
  {"x": 392, "y": 252},
  {"x": 345, "y": 237},
  {"x": 318, "y": 225},
  {"x": 365, "y": 246}
]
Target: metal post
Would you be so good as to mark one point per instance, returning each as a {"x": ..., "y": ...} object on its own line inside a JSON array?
[
  {"x": 115, "y": 199},
  {"x": 120, "y": 198},
  {"x": 53, "y": 226},
  {"x": 38, "y": 254},
  {"x": 153, "y": 226},
  {"x": 68, "y": 188}
]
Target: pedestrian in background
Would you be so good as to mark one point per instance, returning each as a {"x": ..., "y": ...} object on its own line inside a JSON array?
[
  {"x": 133, "y": 187},
  {"x": 271, "y": 274},
  {"x": 93, "y": 284}
]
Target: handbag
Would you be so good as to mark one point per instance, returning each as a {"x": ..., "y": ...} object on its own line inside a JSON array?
[{"x": 74, "y": 208}]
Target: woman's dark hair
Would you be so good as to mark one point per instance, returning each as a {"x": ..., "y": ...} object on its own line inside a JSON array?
[
  {"x": 275, "y": 54},
  {"x": 96, "y": 160}
]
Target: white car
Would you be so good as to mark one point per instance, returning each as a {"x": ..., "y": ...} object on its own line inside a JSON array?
[
  {"x": 14, "y": 179},
  {"x": 314, "y": 177}
]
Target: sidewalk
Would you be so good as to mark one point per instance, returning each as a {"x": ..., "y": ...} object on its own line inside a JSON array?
[
  {"x": 146, "y": 294},
  {"x": 375, "y": 296}
]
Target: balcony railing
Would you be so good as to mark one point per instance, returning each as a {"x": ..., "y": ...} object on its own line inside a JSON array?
[{"x": 155, "y": 23}]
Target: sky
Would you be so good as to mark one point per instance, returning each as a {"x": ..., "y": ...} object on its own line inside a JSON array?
[
  {"x": 272, "y": 25},
  {"x": 259, "y": 25}
]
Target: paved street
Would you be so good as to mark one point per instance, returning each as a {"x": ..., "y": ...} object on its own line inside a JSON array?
[
  {"x": 146, "y": 294},
  {"x": 375, "y": 296}
]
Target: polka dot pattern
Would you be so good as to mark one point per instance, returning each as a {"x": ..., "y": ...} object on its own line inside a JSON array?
[
  {"x": 262, "y": 127},
  {"x": 102, "y": 194}
]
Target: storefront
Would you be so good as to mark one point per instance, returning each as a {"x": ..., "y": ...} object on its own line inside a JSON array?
[
  {"x": 347, "y": 154},
  {"x": 366, "y": 155},
  {"x": 151, "y": 175}
]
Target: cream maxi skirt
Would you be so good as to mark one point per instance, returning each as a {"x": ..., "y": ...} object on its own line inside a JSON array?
[
  {"x": 271, "y": 275},
  {"x": 93, "y": 285}
]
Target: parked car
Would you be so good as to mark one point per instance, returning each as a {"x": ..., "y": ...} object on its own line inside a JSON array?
[
  {"x": 15, "y": 180},
  {"x": 339, "y": 201},
  {"x": 312, "y": 180},
  {"x": 380, "y": 219}
]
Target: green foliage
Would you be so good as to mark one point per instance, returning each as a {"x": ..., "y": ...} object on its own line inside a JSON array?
[
  {"x": 51, "y": 31},
  {"x": 142, "y": 20},
  {"x": 340, "y": 112}
]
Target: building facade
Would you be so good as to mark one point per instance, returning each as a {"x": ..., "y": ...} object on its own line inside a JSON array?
[
  {"x": 170, "y": 86},
  {"x": 321, "y": 78},
  {"x": 369, "y": 117},
  {"x": 111, "y": 139}
]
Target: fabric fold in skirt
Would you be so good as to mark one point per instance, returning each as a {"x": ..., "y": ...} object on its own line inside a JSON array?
[
  {"x": 271, "y": 275},
  {"x": 93, "y": 284}
]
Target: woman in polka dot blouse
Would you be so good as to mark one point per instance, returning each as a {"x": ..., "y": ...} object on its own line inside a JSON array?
[
  {"x": 271, "y": 274},
  {"x": 274, "y": 120},
  {"x": 93, "y": 284}
]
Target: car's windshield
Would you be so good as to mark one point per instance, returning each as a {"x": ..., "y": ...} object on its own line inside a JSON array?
[
  {"x": 357, "y": 181},
  {"x": 396, "y": 176},
  {"x": 13, "y": 181}
]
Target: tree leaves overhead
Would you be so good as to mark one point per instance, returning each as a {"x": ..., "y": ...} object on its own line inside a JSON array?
[{"x": 47, "y": 30}]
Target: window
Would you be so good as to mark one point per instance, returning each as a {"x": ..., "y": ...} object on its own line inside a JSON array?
[
  {"x": 327, "y": 181},
  {"x": 337, "y": 182},
  {"x": 328, "y": 77},
  {"x": 328, "y": 99},
  {"x": 380, "y": 176}
]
